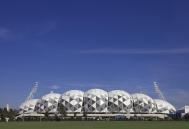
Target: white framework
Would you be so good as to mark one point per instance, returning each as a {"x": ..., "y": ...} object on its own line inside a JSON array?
[
  {"x": 164, "y": 107},
  {"x": 28, "y": 106},
  {"x": 32, "y": 92},
  {"x": 143, "y": 103},
  {"x": 48, "y": 103},
  {"x": 159, "y": 92},
  {"x": 119, "y": 101},
  {"x": 96, "y": 101},
  {"x": 72, "y": 101}
]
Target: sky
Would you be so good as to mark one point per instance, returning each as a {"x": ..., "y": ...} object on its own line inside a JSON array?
[{"x": 79, "y": 44}]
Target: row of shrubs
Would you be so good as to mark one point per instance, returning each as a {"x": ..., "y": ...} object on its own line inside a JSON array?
[{"x": 12, "y": 113}]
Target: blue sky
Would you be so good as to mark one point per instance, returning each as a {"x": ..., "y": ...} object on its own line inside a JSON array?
[{"x": 94, "y": 44}]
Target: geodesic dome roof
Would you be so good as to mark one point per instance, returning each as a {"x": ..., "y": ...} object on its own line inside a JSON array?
[
  {"x": 164, "y": 106},
  {"x": 119, "y": 101},
  {"x": 28, "y": 106},
  {"x": 72, "y": 100},
  {"x": 143, "y": 103},
  {"x": 95, "y": 100},
  {"x": 48, "y": 103}
]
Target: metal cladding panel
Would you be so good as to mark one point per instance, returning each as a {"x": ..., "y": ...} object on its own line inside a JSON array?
[
  {"x": 96, "y": 100},
  {"x": 119, "y": 101},
  {"x": 49, "y": 103},
  {"x": 72, "y": 101},
  {"x": 143, "y": 103},
  {"x": 28, "y": 106},
  {"x": 164, "y": 106}
]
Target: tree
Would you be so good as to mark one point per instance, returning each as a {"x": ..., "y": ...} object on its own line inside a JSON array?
[
  {"x": 1, "y": 115},
  {"x": 62, "y": 110},
  {"x": 85, "y": 114},
  {"x": 46, "y": 115},
  {"x": 186, "y": 116}
]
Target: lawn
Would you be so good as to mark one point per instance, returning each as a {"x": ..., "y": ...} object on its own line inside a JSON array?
[{"x": 97, "y": 125}]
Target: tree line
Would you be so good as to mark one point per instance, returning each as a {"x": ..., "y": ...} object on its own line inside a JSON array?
[
  {"x": 61, "y": 115},
  {"x": 11, "y": 114}
]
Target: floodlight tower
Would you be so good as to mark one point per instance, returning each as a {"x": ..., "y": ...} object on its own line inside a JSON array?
[
  {"x": 158, "y": 91},
  {"x": 33, "y": 91}
]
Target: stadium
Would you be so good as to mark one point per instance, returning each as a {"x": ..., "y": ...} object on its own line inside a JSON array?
[{"x": 97, "y": 103}]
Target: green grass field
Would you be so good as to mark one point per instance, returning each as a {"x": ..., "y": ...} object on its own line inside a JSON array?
[{"x": 97, "y": 125}]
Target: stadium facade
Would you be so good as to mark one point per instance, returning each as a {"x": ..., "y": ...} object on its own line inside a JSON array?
[{"x": 97, "y": 102}]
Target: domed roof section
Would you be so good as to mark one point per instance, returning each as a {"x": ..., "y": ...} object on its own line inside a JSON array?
[
  {"x": 31, "y": 102},
  {"x": 73, "y": 93},
  {"x": 143, "y": 103},
  {"x": 119, "y": 101},
  {"x": 119, "y": 92},
  {"x": 96, "y": 92},
  {"x": 96, "y": 100},
  {"x": 72, "y": 101},
  {"x": 28, "y": 106},
  {"x": 51, "y": 95},
  {"x": 164, "y": 106},
  {"x": 49, "y": 102}
]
